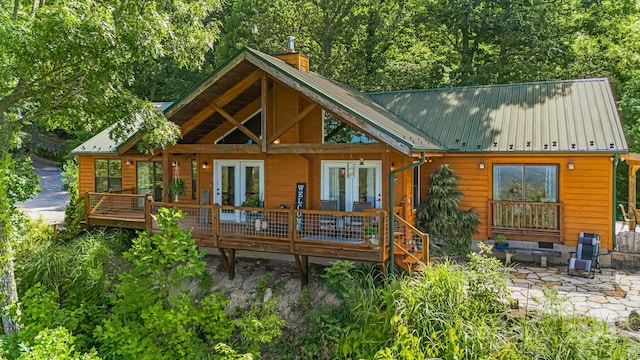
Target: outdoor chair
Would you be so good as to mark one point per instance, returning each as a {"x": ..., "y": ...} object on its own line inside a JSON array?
[
  {"x": 584, "y": 261},
  {"x": 629, "y": 219},
  {"x": 356, "y": 225},
  {"x": 328, "y": 223}
]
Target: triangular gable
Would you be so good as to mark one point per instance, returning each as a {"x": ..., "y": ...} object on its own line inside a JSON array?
[{"x": 349, "y": 104}]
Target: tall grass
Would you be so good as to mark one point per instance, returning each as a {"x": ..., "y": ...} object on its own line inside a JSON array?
[
  {"x": 79, "y": 271},
  {"x": 453, "y": 311}
]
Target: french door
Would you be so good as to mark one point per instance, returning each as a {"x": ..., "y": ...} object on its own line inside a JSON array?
[
  {"x": 235, "y": 182},
  {"x": 148, "y": 180},
  {"x": 351, "y": 181}
]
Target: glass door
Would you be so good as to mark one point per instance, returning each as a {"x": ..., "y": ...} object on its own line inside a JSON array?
[
  {"x": 237, "y": 181},
  {"x": 349, "y": 182},
  {"x": 149, "y": 180}
]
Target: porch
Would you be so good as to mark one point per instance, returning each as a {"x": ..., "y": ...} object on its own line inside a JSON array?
[{"x": 360, "y": 236}]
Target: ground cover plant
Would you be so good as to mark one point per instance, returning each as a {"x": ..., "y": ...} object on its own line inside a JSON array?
[{"x": 104, "y": 295}]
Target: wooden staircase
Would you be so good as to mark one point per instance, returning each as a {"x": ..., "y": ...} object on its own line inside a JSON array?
[{"x": 411, "y": 251}]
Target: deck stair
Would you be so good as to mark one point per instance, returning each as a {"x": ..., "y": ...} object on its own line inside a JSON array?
[{"x": 411, "y": 250}]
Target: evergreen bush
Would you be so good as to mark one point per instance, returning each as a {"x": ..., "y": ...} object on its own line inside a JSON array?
[{"x": 439, "y": 214}]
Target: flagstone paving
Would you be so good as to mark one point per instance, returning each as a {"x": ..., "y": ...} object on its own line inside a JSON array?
[{"x": 610, "y": 296}]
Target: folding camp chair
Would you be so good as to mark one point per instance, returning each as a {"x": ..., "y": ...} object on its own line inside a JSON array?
[{"x": 584, "y": 261}]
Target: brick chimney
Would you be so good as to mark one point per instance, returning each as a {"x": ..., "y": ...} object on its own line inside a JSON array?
[{"x": 294, "y": 58}]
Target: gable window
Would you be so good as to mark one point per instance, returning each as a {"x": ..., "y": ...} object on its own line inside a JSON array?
[
  {"x": 336, "y": 131},
  {"x": 108, "y": 175},
  {"x": 525, "y": 200}
]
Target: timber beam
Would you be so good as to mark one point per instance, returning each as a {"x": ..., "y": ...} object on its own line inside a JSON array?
[
  {"x": 291, "y": 123},
  {"x": 220, "y": 102},
  {"x": 248, "y": 111},
  {"x": 278, "y": 149}
]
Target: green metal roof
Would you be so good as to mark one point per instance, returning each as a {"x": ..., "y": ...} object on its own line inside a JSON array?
[
  {"x": 567, "y": 116},
  {"x": 102, "y": 143}
]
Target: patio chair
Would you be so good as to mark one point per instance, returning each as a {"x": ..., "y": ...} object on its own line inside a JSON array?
[
  {"x": 356, "y": 225},
  {"x": 584, "y": 261},
  {"x": 326, "y": 222},
  {"x": 628, "y": 218}
]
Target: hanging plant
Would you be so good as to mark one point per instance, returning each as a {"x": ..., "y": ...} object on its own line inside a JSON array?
[{"x": 177, "y": 187}]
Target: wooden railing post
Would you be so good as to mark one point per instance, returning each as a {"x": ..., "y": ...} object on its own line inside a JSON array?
[
  {"x": 215, "y": 223},
  {"x": 147, "y": 213},
  {"x": 87, "y": 208},
  {"x": 291, "y": 228}
]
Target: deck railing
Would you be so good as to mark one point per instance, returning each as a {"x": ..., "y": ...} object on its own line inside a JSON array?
[
  {"x": 357, "y": 235},
  {"x": 535, "y": 217},
  {"x": 121, "y": 206}
]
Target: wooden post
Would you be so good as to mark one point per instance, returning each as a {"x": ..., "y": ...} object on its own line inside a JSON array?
[
  {"x": 215, "y": 224},
  {"x": 291, "y": 229},
  {"x": 147, "y": 213},
  {"x": 87, "y": 208},
  {"x": 302, "y": 263},
  {"x": 632, "y": 195},
  {"x": 229, "y": 260}
]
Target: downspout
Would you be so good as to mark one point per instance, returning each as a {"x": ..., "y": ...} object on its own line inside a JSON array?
[
  {"x": 392, "y": 184},
  {"x": 616, "y": 161}
]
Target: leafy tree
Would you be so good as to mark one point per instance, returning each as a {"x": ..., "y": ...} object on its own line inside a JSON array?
[
  {"x": 439, "y": 214},
  {"x": 158, "y": 311},
  {"x": 69, "y": 65}
]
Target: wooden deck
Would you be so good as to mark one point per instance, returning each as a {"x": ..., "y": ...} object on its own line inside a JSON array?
[{"x": 333, "y": 234}]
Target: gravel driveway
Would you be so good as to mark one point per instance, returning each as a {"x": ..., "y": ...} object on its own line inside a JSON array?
[{"x": 52, "y": 200}]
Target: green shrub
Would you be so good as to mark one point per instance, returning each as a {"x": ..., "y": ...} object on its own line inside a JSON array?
[
  {"x": 156, "y": 312},
  {"x": 439, "y": 214}
]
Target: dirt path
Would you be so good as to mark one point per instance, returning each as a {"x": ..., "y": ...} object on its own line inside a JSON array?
[{"x": 52, "y": 200}]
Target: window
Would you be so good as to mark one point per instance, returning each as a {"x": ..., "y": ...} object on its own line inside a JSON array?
[
  {"x": 108, "y": 174},
  {"x": 336, "y": 131},
  {"x": 525, "y": 183}
]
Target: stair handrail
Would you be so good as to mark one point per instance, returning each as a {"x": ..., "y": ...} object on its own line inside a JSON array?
[{"x": 423, "y": 236}]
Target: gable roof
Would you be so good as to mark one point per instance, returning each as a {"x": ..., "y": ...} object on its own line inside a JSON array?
[
  {"x": 569, "y": 116},
  {"x": 575, "y": 115},
  {"x": 101, "y": 143},
  {"x": 348, "y": 103}
]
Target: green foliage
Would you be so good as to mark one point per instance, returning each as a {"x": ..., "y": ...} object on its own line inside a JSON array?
[
  {"x": 55, "y": 344},
  {"x": 454, "y": 311},
  {"x": 439, "y": 215},
  {"x": 156, "y": 313},
  {"x": 177, "y": 187}
]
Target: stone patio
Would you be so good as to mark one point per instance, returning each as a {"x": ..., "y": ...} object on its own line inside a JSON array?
[{"x": 610, "y": 296}]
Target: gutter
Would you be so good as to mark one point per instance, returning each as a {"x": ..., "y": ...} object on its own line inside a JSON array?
[{"x": 392, "y": 185}]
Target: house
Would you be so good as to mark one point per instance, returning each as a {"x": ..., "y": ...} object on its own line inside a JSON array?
[{"x": 264, "y": 169}]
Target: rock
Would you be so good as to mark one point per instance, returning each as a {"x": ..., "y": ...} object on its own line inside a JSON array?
[{"x": 268, "y": 294}]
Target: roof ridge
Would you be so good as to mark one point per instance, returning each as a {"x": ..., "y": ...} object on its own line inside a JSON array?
[{"x": 493, "y": 86}]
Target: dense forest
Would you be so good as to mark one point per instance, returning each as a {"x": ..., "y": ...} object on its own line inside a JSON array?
[{"x": 71, "y": 68}]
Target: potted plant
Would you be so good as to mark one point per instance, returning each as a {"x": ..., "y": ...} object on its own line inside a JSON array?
[
  {"x": 253, "y": 217},
  {"x": 371, "y": 232},
  {"x": 177, "y": 187},
  {"x": 500, "y": 242}
]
